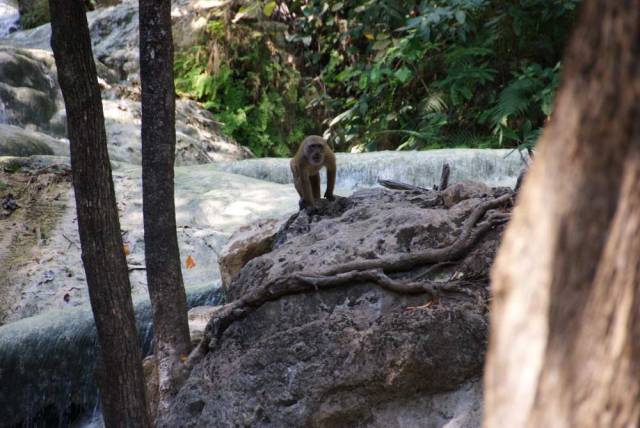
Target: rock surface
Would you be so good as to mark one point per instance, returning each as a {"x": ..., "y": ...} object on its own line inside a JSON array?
[
  {"x": 246, "y": 243},
  {"x": 352, "y": 355},
  {"x": 15, "y": 141}
]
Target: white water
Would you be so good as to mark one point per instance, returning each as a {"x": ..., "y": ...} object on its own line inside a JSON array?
[
  {"x": 493, "y": 167},
  {"x": 8, "y": 17},
  {"x": 3, "y": 113}
]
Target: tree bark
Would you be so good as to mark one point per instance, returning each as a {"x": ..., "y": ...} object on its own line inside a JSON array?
[
  {"x": 164, "y": 275},
  {"x": 565, "y": 329},
  {"x": 120, "y": 380}
]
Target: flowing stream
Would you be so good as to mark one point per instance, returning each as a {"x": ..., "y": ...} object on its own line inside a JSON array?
[
  {"x": 47, "y": 364},
  {"x": 8, "y": 17}
]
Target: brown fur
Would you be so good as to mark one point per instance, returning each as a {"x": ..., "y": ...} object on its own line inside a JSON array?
[{"x": 312, "y": 155}]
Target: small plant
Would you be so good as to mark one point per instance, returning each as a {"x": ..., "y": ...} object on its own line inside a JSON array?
[
  {"x": 249, "y": 86},
  {"x": 36, "y": 16}
]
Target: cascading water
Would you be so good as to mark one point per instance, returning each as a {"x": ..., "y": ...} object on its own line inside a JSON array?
[
  {"x": 47, "y": 364},
  {"x": 9, "y": 17},
  {"x": 355, "y": 170},
  {"x": 3, "y": 113}
]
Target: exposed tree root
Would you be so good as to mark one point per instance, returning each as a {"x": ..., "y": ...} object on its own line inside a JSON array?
[
  {"x": 464, "y": 242},
  {"x": 375, "y": 271},
  {"x": 444, "y": 177}
]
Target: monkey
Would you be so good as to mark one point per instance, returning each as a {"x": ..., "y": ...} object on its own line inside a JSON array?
[{"x": 312, "y": 155}]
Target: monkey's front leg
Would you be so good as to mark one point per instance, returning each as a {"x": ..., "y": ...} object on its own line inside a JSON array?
[
  {"x": 331, "y": 181},
  {"x": 307, "y": 195}
]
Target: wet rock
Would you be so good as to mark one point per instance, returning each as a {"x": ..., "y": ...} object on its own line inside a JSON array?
[
  {"x": 28, "y": 88},
  {"x": 15, "y": 141}
]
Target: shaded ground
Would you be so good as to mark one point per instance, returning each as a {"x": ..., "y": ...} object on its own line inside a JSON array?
[{"x": 41, "y": 195}]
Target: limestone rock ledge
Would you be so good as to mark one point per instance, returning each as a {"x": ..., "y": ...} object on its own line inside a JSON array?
[{"x": 354, "y": 355}]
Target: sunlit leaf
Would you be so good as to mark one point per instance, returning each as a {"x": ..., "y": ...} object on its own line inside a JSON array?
[
  {"x": 269, "y": 8},
  {"x": 336, "y": 7}
]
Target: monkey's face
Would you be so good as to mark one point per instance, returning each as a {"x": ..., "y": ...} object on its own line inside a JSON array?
[{"x": 314, "y": 152}]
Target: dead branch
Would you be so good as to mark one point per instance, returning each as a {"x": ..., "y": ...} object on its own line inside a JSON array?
[
  {"x": 396, "y": 185},
  {"x": 300, "y": 283},
  {"x": 519, "y": 180},
  {"x": 444, "y": 177}
]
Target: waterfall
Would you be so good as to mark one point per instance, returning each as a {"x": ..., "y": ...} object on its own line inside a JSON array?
[
  {"x": 9, "y": 17},
  {"x": 47, "y": 363},
  {"x": 3, "y": 113},
  {"x": 493, "y": 167}
]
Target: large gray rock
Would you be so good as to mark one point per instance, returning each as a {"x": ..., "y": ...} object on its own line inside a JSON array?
[
  {"x": 16, "y": 141},
  {"x": 354, "y": 355},
  {"x": 114, "y": 35},
  {"x": 30, "y": 98},
  {"x": 114, "y": 32},
  {"x": 28, "y": 86}
]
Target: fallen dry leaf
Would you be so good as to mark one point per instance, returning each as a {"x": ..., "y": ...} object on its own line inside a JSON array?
[{"x": 190, "y": 263}]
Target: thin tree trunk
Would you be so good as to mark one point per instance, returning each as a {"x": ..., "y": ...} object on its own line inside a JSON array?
[
  {"x": 164, "y": 276},
  {"x": 121, "y": 382},
  {"x": 565, "y": 328}
]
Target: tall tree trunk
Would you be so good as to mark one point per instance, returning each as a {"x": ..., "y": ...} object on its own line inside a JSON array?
[
  {"x": 164, "y": 276},
  {"x": 565, "y": 327},
  {"x": 121, "y": 382}
]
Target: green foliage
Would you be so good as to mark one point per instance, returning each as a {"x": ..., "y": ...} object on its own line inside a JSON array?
[
  {"x": 381, "y": 74},
  {"x": 249, "y": 86},
  {"x": 35, "y": 15},
  {"x": 36, "y": 12},
  {"x": 418, "y": 74}
]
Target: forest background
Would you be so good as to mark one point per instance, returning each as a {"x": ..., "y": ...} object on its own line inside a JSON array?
[{"x": 380, "y": 74}]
